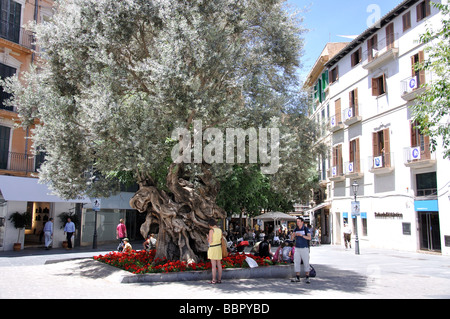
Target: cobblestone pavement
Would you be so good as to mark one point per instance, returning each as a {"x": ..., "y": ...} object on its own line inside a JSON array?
[{"x": 341, "y": 274}]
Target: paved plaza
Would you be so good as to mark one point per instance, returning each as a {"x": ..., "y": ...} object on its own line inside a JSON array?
[{"x": 341, "y": 274}]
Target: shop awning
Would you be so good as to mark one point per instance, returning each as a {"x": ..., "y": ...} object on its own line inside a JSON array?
[
  {"x": 318, "y": 207},
  {"x": 26, "y": 189},
  {"x": 276, "y": 216}
]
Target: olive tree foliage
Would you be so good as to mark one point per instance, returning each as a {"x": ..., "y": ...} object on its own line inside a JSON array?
[
  {"x": 432, "y": 108},
  {"x": 117, "y": 78}
]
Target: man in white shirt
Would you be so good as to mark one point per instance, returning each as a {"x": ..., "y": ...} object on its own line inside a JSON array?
[
  {"x": 347, "y": 235},
  {"x": 48, "y": 233},
  {"x": 69, "y": 229}
]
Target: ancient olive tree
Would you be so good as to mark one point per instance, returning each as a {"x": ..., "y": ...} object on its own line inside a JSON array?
[{"x": 126, "y": 89}]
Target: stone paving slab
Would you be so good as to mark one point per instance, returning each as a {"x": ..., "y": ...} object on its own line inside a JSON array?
[{"x": 380, "y": 274}]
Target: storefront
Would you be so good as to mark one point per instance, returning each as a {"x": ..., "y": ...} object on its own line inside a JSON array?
[
  {"x": 111, "y": 211},
  {"x": 428, "y": 225},
  {"x": 22, "y": 194}
]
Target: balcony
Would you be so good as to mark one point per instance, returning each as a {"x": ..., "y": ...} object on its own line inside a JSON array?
[
  {"x": 350, "y": 116},
  {"x": 419, "y": 156},
  {"x": 336, "y": 123},
  {"x": 15, "y": 34},
  {"x": 353, "y": 170},
  {"x": 384, "y": 51},
  {"x": 381, "y": 164},
  {"x": 20, "y": 162},
  {"x": 322, "y": 175}
]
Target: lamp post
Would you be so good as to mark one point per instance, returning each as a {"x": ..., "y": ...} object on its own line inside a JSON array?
[{"x": 355, "y": 192}]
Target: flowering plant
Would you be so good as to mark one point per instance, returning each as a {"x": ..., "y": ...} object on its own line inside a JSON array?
[{"x": 141, "y": 262}]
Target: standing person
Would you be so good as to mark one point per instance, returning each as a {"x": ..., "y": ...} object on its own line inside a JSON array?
[
  {"x": 215, "y": 250},
  {"x": 347, "y": 235},
  {"x": 121, "y": 233},
  {"x": 48, "y": 233},
  {"x": 69, "y": 230},
  {"x": 302, "y": 236}
]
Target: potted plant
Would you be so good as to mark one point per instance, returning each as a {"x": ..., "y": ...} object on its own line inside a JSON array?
[{"x": 19, "y": 221}]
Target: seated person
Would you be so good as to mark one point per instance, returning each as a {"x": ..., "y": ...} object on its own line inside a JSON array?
[{"x": 127, "y": 246}]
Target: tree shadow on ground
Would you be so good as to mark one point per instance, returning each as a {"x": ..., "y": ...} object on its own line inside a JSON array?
[
  {"x": 328, "y": 279},
  {"x": 89, "y": 268}
]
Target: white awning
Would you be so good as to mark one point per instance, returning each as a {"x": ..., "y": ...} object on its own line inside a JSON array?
[
  {"x": 276, "y": 216},
  {"x": 318, "y": 207},
  {"x": 26, "y": 189}
]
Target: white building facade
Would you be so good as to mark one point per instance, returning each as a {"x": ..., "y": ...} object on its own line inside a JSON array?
[{"x": 404, "y": 188}]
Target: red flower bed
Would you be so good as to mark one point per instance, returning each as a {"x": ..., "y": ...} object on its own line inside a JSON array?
[{"x": 141, "y": 262}]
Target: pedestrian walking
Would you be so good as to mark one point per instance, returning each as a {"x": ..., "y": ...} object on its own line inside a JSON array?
[
  {"x": 121, "y": 233},
  {"x": 347, "y": 235},
  {"x": 48, "y": 233},
  {"x": 215, "y": 251},
  {"x": 302, "y": 236},
  {"x": 69, "y": 230}
]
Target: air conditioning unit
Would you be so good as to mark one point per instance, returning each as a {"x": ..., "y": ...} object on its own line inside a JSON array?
[
  {"x": 349, "y": 113},
  {"x": 415, "y": 153},
  {"x": 333, "y": 121},
  {"x": 378, "y": 162},
  {"x": 350, "y": 167},
  {"x": 412, "y": 84}
]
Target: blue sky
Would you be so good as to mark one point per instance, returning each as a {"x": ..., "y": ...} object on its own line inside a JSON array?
[{"x": 326, "y": 19}]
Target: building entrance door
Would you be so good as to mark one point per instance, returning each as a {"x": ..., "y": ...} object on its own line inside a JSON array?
[{"x": 429, "y": 231}]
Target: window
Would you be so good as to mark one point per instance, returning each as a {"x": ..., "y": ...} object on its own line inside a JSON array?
[
  {"x": 390, "y": 36},
  {"x": 423, "y": 10},
  {"x": 426, "y": 184},
  {"x": 381, "y": 147},
  {"x": 324, "y": 80},
  {"x": 406, "y": 21},
  {"x": 10, "y": 20},
  {"x": 334, "y": 75},
  {"x": 353, "y": 102},
  {"x": 354, "y": 155},
  {"x": 4, "y": 146},
  {"x": 420, "y": 75},
  {"x": 420, "y": 140},
  {"x": 337, "y": 161},
  {"x": 356, "y": 57},
  {"x": 337, "y": 111},
  {"x": 372, "y": 47},
  {"x": 5, "y": 72},
  {"x": 379, "y": 85},
  {"x": 319, "y": 90}
]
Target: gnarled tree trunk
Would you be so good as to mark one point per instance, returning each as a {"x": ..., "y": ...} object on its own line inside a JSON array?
[{"x": 182, "y": 216}]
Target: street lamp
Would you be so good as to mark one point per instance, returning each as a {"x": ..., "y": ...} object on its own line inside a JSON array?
[{"x": 355, "y": 187}]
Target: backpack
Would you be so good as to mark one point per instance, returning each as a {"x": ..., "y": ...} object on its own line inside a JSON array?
[
  {"x": 224, "y": 248},
  {"x": 264, "y": 249},
  {"x": 312, "y": 271}
]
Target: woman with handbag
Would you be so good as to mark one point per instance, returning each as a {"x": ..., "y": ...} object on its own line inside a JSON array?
[{"x": 215, "y": 251}]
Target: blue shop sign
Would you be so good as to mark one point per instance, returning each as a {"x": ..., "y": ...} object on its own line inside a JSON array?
[{"x": 426, "y": 206}]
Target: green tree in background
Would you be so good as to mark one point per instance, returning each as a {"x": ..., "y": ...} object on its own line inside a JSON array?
[{"x": 432, "y": 107}]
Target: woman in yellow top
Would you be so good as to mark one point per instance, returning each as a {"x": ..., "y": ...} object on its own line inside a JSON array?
[{"x": 215, "y": 250}]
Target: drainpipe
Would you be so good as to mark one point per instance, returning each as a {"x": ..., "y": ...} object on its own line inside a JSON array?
[{"x": 33, "y": 46}]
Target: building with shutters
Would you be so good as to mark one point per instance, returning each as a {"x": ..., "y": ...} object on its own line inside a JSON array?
[
  {"x": 19, "y": 187},
  {"x": 404, "y": 188}
]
